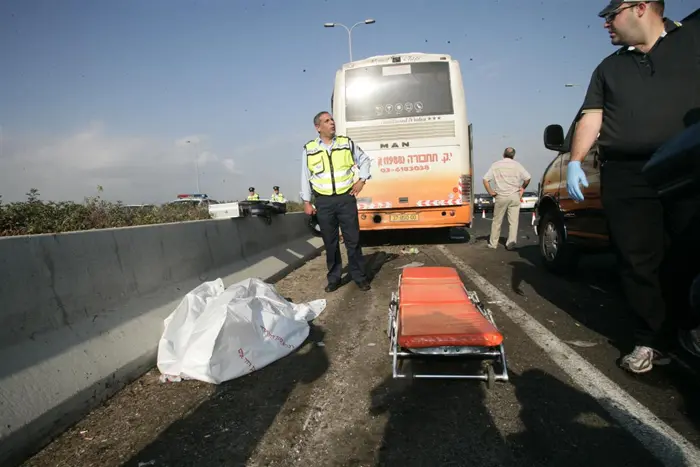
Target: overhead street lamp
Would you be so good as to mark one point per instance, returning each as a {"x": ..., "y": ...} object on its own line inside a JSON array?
[
  {"x": 349, "y": 30},
  {"x": 571, "y": 85}
]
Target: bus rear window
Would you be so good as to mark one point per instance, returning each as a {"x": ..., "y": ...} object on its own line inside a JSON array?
[{"x": 398, "y": 91}]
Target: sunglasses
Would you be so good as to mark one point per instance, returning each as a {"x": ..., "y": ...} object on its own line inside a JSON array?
[{"x": 610, "y": 17}]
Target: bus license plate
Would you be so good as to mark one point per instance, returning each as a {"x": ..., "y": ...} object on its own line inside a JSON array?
[{"x": 403, "y": 217}]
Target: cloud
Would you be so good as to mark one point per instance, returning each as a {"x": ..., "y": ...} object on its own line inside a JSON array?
[{"x": 133, "y": 169}]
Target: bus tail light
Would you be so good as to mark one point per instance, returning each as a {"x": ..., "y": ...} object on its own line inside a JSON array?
[{"x": 465, "y": 188}]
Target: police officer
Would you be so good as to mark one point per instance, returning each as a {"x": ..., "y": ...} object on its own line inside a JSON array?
[
  {"x": 253, "y": 196},
  {"x": 277, "y": 197},
  {"x": 326, "y": 172},
  {"x": 639, "y": 97}
]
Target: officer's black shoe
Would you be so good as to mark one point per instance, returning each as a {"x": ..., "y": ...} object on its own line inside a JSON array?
[
  {"x": 332, "y": 287},
  {"x": 364, "y": 286}
]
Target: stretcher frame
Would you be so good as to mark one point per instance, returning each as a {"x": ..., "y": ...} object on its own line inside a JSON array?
[{"x": 488, "y": 355}]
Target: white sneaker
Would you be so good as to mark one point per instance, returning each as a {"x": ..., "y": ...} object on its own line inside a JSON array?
[{"x": 643, "y": 359}]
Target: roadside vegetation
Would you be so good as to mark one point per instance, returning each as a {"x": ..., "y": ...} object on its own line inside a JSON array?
[{"x": 36, "y": 216}]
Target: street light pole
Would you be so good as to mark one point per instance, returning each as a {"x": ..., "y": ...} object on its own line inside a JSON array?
[
  {"x": 349, "y": 30},
  {"x": 196, "y": 167}
]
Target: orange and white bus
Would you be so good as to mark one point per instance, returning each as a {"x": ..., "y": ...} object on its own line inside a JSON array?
[{"x": 408, "y": 113}]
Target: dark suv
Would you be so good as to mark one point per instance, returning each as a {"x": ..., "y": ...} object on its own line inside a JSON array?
[{"x": 566, "y": 228}]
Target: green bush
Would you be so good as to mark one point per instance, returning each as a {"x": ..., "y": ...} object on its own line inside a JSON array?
[{"x": 35, "y": 216}]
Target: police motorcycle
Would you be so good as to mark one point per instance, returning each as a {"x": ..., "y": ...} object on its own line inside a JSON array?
[
  {"x": 264, "y": 209},
  {"x": 674, "y": 171}
]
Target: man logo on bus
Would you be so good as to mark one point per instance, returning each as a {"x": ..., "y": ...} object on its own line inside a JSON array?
[{"x": 404, "y": 144}]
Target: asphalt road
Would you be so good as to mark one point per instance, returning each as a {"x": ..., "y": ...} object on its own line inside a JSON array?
[{"x": 335, "y": 403}]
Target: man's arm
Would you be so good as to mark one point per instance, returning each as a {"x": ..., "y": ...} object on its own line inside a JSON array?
[
  {"x": 488, "y": 176},
  {"x": 591, "y": 121},
  {"x": 587, "y": 130},
  {"x": 525, "y": 176},
  {"x": 305, "y": 193},
  {"x": 489, "y": 190},
  {"x": 363, "y": 162}
]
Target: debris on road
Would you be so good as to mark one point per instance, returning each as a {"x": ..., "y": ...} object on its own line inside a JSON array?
[
  {"x": 414, "y": 264},
  {"x": 582, "y": 344}
]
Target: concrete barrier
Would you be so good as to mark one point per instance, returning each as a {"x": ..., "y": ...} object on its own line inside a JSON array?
[{"x": 81, "y": 313}]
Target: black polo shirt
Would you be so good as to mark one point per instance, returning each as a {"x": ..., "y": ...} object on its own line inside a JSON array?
[{"x": 647, "y": 99}]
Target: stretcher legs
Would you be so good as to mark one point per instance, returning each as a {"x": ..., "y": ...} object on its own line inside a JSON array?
[{"x": 488, "y": 355}]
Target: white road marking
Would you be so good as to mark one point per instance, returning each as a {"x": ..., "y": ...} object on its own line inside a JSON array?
[{"x": 661, "y": 440}]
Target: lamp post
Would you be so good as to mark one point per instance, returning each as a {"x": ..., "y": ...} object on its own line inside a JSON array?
[
  {"x": 196, "y": 166},
  {"x": 349, "y": 30}
]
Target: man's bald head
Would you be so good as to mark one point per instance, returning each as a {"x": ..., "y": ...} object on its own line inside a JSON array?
[{"x": 509, "y": 153}]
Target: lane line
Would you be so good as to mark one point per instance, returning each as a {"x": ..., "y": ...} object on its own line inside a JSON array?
[{"x": 666, "y": 444}]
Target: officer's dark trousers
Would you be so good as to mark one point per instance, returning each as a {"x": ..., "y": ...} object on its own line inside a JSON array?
[
  {"x": 334, "y": 211},
  {"x": 656, "y": 257}
]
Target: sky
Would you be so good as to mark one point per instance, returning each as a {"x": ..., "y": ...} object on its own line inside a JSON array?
[{"x": 145, "y": 97}]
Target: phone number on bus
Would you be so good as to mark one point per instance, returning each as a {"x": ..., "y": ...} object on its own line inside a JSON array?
[{"x": 407, "y": 168}]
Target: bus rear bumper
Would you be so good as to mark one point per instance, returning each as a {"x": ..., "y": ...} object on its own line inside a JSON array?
[{"x": 419, "y": 218}]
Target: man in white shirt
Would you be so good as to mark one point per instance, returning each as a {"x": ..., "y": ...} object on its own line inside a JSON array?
[{"x": 506, "y": 181}]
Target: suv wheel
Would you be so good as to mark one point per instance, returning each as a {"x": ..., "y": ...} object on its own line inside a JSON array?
[{"x": 557, "y": 255}]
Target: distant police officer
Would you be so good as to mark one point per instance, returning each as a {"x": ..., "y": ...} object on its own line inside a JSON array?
[
  {"x": 639, "y": 97},
  {"x": 277, "y": 197},
  {"x": 253, "y": 196},
  {"x": 327, "y": 173}
]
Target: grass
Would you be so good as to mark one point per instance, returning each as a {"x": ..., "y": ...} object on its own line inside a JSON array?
[{"x": 36, "y": 216}]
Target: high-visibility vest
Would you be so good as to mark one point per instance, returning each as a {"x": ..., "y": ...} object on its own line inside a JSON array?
[
  {"x": 254, "y": 197},
  {"x": 277, "y": 198},
  {"x": 330, "y": 174}
]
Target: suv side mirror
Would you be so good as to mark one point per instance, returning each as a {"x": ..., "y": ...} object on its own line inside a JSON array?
[{"x": 554, "y": 137}]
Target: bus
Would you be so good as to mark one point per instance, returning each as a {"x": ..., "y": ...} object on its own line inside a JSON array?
[{"x": 408, "y": 113}]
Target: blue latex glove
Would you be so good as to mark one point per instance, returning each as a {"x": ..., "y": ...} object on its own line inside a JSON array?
[{"x": 574, "y": 176}]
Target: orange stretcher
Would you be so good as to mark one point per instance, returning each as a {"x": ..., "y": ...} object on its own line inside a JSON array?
[{"x": 434, "y": 315}]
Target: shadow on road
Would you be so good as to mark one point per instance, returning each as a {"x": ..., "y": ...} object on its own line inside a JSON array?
[
  {"x": 447, "y": 422},
  {"x": 436, "y": 422},
  {"x": 590, "y": 294},
  {"x": 373, "y": 263},
  {"x": 593, "y": 297},
  {"x": 226, "y": 428},
  {"x": 414, "y": 237},
  {"x": 564, "y": 426}
]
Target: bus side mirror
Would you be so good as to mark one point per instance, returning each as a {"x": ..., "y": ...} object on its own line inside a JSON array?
[{"x": 554, "y": 138}]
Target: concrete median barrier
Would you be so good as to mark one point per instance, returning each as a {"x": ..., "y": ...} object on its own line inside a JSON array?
[{"x": 81, "y": 313}]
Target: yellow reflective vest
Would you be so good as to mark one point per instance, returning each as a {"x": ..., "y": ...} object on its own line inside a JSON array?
[
  {"x": 255, "y": 197},
  {"x": 330, "y": 174},
  {"x": 277, "y": 198}
]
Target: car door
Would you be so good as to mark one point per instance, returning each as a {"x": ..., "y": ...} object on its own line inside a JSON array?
[{"x": 584, "y": 218}]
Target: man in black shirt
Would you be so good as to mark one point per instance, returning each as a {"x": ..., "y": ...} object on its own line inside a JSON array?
[{"x": 639, "y": 97}]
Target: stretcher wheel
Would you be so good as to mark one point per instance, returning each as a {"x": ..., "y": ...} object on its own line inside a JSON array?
[{"x": 490, "y": 376}]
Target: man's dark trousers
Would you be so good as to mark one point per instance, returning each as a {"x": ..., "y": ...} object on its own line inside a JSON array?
[
  {"x": 654, "y": 278},
  {"x": 340, "y": 210}
]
